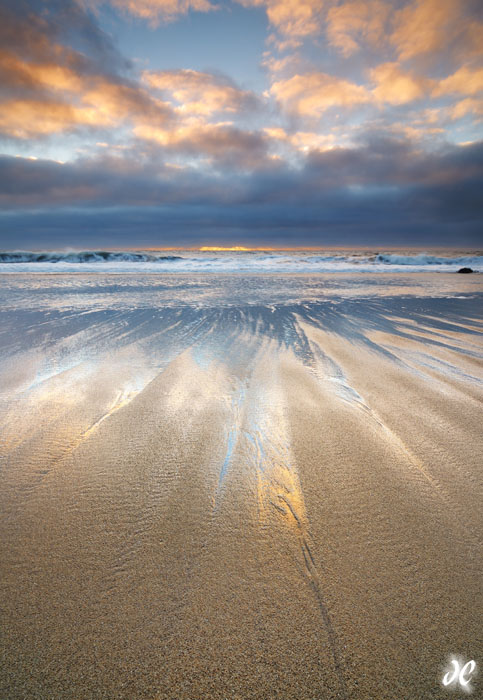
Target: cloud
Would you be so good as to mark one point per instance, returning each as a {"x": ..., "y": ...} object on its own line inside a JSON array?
[
  {"x": 426, "y": 26},
  {"x": 26, "y": 119},
  {"x": 384, "y": 189},
  {"x": 48, "y": 87},
  {"x": 297, "y": 18},
  {"x": 379, "y": 160},
  {"x": 411, "y": 29},
  {"x": 218, "y": 145},
  {"x": 156, "y": 11},
  {"x": 396, "y": 86},
  {"x": 19, "y": 76},
  {"x": 473, "y": 40},
  {"x": 201, "y": 93},
  {"x": 279, "y": 65},
  {"x": 314, "y": 93},
  {"x": 107, "y": 181},
  {"x": 132, "y": 177},
  {"x": 301, "y": 141},
  {"x": 293, "y": 18},
  {"x": 196, "y": 97},
  {"x": 97, "y": 103},
  {"x": 41, "y": 30},
  {"x": 352, "y": 23},
  {"x": 465, "y": 107},
  {"x": 465, "y": 81}
]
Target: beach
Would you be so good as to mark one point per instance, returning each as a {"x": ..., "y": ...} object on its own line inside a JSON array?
[{"x": 244, "y": 486}]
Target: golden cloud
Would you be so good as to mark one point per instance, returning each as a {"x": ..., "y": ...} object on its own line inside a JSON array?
[
  {"x": 200, "y": 93},
  {"x": 44, "y": 97},
  {"x": 396, "y": 86},
  {"x": 25, "y": 119},
  {"x": 314, "y": 93},
  {"x": 467, "y": 106},
  {"x": 465, "y": 81},
  {"x": 215, "y": 143},
  {"x": 157, "y": 10},
  {"x": 42, "y": 75},
  {"x": 302, "y": 141},
  {"x": 99, "y": 105},
  {"x": 352, "y": 22},
  {"x": 295, "y": 18},
  {"x": 473, "y": 40},
  {"x": 425, "y": 26}
]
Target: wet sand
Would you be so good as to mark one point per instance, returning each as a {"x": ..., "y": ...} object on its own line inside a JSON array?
[{"x": 240, "y": 488}]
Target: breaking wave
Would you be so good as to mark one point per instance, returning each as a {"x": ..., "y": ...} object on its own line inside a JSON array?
[
  {"x": 260, "y": 261},
  {"x": 425, "y": 259},
  {"x": 89, "y": 256}
]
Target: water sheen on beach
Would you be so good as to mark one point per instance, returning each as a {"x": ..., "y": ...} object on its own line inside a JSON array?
[{"x": 246, "y": 486}]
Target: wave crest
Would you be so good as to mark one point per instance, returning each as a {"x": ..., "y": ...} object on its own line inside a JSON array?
[
  {"x": 423, "y": 259},
  {"x": 88, "y": 256}
]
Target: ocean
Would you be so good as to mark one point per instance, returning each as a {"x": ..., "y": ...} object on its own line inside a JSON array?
[{"x": 239, "y": 261}]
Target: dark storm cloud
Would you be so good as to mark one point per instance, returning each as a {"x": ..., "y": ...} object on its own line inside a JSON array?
[
  {"x": 333, "y": 222},
  {"x": 388, "y": 162},
  {"x": 107, "y": 183},
  {"x": 132, "y": 178},
  {"x": 348, "y": 195}
]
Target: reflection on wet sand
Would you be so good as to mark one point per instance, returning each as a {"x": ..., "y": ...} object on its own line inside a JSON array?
[{"x": 255, "y": 499}]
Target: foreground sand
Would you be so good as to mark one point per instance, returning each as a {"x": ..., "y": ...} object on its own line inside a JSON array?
[{"x": 242, "y": 501}]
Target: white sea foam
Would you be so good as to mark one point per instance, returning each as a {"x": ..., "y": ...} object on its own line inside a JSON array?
[
  {"x": 232, "y": 262},
  {"x": 425, "y": 259},
  {"x": 87, "y": 256}
]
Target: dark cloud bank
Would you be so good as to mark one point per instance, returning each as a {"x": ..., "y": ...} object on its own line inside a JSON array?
[{"x": 384, "y": 192}]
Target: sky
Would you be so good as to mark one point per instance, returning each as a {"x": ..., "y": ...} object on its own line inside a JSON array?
[{"x": 155, "y": 123}]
